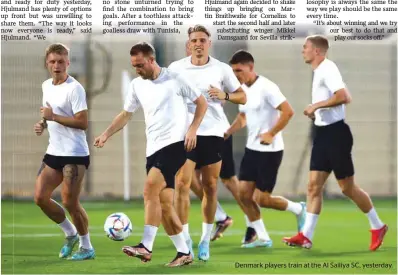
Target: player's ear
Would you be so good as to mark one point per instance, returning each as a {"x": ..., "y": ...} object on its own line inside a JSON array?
[
  {"x": 187, "y": 48},
  {"x": 45, "y": 63},
  {"x": 151, "y": 59},
  {"x": 209, "y": 42}
]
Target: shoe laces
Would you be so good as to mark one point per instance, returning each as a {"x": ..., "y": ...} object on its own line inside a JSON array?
[{"x": 83, "y": 251}]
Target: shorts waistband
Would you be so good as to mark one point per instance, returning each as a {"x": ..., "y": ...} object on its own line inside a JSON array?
[{"x": 333, "y": 125}]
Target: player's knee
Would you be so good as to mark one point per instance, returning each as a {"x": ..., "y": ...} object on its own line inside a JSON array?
[
  {"x": 347, "y": 189},
  {"x": 148, "y": 191},
  {"x": 210, "y": 191},
  {"x": 262, "y": 199},
  {"x": 70, "y": 204},
  {"x": 226, "y": 182},
  {"x": 314, "y": 189},
  {"x": 182, "y": 185},
  {"x": 245, "y": 197},
  {"x": 229, "y": 184},
  {"x": 41, "y": 200},
  {"x": 210, "y": 188},
  {"x": 167, "y": 208}
]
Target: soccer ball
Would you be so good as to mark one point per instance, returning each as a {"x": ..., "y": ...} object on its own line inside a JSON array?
[{"x": 118, "y": 227}]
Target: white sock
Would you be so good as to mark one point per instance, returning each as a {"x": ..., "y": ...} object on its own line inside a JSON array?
[
  {"x": 206, "y": 232},
  {"x": 220, "y": 213},
  {"x": 149, "y": 236},
  {"x": 85, "y": 241},
  {"x": 374, "y": 220},
  {"x": 185, "y": 231},
  {"x": 309, "y": 225},
  {"x": 248, "y": 223},
  {"x": 180, "y": 243},
  {"x": 68, "y": 228},
  {"x": 294, "y": 207},
  {"x": 260, "y": 230}
]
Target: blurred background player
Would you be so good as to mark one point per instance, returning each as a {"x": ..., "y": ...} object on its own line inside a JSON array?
[
  {"x": 332, "y": 145},
  {"x": 67, "y": 157},
  {"x": 162, "y": 94},
  {"x": 211, "y": 77},
  {"x": 228, "y": 178},
  {"x": 266, "y": 114}
]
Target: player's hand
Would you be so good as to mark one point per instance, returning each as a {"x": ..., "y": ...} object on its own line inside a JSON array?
[
  {"x": 39, "y": 127},
  {"x": 190, "y": 140},
  {"x": 47, "y": 112},
  {"x": 266, "y": 138},
  {"x": 99, "y": 142},
  {"x": 310, "y": 111},
  {"x": 226, "y": 136},
  {"x": 216, "y": 93}
]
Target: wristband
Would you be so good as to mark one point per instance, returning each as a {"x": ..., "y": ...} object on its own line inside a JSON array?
[{"x": 226, "y": 96}]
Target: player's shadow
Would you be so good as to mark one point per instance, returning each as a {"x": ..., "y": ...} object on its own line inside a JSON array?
[
  {"x": 319, "y": 253},
  {"x": 17, "y": 255},
  {"x": 26, "y": 262},
  {"x": 248, "y": 251},
  {"x": 154, "y": 269}
]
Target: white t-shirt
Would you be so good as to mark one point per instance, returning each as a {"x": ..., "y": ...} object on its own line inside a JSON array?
[
  {"x": 163, "y": 102},
  {"x": 66, "y": 99},
  {"x": 217, "y": 74},
  {"x": 263, "y": 97},
  {"x": 326, "y": 81},
  {"x": 226, "y": 123}
]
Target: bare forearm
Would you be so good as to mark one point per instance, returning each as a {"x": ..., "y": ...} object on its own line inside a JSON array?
[
  {"x": 199, "y": 114},
  {"x": 281, "y": 123},
  {"x": 238, "y": 124},
  {"x": 335, "y": 100},
  {"x": 71, "y": 122},
  {"x": 117, "y": 124},
  {"x": 238, "y": 97}
]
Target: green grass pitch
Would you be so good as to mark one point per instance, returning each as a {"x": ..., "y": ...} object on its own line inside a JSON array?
[{"x": 30, "y": 243}]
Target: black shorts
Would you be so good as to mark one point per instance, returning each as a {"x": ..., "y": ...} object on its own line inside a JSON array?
[
  {"x": 331, "y": 150},
  {"x": 261, "y": 167},
  {"x": 168, "y": 160},
  {"x": 228, "y": 162},
  {"x": 59, "y": 162},
  {"x": 208, "y": 150}
]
